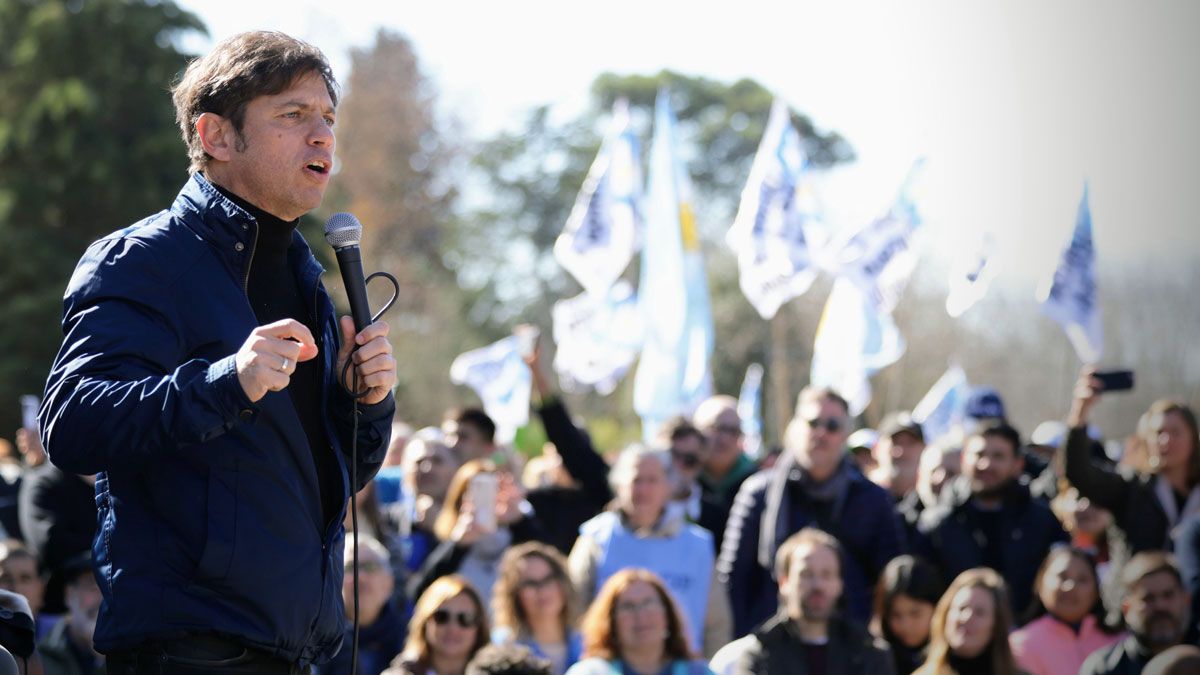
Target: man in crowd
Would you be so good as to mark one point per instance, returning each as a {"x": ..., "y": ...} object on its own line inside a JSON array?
[
  {"x": 809, "y": 634},
  {"x": 67, "y": 648},
  {"x": 201, "y": 378},
  {"x": 897, "y": 453},
  {"x": 990, "y": 519},
  {"x": 940, "y": 463},
  {"x": 726, "y": 466},
  {"x": 812, "y": 485},
  {"x": 471, "y": 433},
  {"x": 689, "y": 450},
  {"x": 1155, "y": 607}
]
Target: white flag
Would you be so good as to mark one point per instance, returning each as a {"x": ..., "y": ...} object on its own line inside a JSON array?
[
  {"x": 500, "y": 377},
  {"x": 767, "y": 235},
  {"x": 605, "y": 223},
  {"x": 942, "y": 408},
  {"x": 879, "y": 258},
  {"x": 853, "y": 342},
  {"x": 1070, "y": 297},
  {"x": 748, "y": 408},
  {"x": 970, "y": 275},
  {"x": 598, "y": 339}
]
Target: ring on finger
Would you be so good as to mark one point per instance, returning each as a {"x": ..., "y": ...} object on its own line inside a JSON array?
[{"x": 286, "y": 363}]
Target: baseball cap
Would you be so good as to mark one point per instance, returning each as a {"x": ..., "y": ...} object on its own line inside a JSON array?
[{"x": 897, "y": 422}]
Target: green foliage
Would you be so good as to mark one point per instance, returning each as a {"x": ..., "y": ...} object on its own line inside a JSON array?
[{"x": 88, "y": 144}]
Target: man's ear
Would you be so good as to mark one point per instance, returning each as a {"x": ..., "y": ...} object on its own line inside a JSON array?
[{"x": 217, "y": 136}]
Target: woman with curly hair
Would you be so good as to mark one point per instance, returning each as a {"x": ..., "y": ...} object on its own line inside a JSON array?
[
  {"x": 635, "y": 628},
  {"x": 534, "y": 605}
]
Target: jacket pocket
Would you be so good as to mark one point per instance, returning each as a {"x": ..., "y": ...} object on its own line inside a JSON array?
[{"x": 221, "y": 530}]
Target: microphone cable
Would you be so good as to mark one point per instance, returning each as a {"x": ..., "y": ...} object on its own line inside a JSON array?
[{"x": 356, "y": 394}]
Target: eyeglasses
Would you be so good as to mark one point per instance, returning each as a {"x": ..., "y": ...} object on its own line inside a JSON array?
[
  {"x": 443, "y": 616},
  {"x": 686, "y": 459},
  {"x": 649, "y": 604},
  {"x": 830, "y": 424},
  {"x": 535, "y": 584}
]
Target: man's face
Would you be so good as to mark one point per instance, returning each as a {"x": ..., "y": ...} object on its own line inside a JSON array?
[
  {"x": 284, "y": 137},
  {"x": 1156, "y": 610},
  {"x": 817, "y": 434},
  {"x": 900, "y": 453},
  {"x": 724, "y": 431},
  {"x": 991, "y": 463},
  {"x": 19, "y": 574},
  {"x": 375, "y": 580},
  {"x": 814, "y": 583},
  {"x": 647, "y": 492},
  {"x": 467, "y": 440},
  {"x": 82, "y": 598},
  {"x": 689, "y": 453},
  {"x": 431, "y": 466}
]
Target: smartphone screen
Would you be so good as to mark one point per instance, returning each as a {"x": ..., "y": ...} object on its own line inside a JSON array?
[
  {"x": 1116, "y": 380},
  {"x": 482, "y": 492}
]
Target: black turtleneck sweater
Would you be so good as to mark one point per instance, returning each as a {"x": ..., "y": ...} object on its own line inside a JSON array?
[{"x": 274, "y": 293}]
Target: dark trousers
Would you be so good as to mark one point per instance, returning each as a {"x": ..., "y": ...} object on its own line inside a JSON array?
[{"x": 198, "y": 654}]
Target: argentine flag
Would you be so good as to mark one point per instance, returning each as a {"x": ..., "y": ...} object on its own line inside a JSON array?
[
  {"x": 500, "y": 377},
  {"x": 854, "y": 341}
]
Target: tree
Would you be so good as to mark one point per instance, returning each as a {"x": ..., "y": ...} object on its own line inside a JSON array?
[
  {"x": 88, "y": 144},
  {"x": 393, "y": 163}
]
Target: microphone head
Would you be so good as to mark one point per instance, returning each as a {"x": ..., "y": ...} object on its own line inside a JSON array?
[{"x": 343, "y": 229}]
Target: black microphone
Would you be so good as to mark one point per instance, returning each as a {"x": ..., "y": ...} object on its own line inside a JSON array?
[{"x": 343, "y": 232}]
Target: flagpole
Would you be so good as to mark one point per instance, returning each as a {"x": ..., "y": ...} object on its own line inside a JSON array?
[{"x": 780, "y": 374}]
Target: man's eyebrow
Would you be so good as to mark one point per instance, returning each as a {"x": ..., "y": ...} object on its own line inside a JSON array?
[{"x": 304, "y": 105}]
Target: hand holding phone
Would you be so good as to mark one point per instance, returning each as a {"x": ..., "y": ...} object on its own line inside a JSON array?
[
  {"x": 482, "y": 492},
  {"x": 1115, "y": 380}
]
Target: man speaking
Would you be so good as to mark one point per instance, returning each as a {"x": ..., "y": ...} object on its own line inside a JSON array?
[{"x": 200, "y": 377}]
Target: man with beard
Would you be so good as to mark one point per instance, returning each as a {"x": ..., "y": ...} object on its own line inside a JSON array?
[
  {"x": 1155, "y": 607},
  {"x": 809, "y": 635},
  {"x": 812, "y": 485},
  {"x": 989, "y": 518}
]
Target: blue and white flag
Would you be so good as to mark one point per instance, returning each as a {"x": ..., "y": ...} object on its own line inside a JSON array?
[
  {"x": 942, "y": 408},
  {"x": 970, "y": 275},
  {"x": 603, "y": 228},
  {"x": 854, "y": 341},
  {"x": 500, "y": 377},
  {"x": 880, "y": 257},
  {"x": 767, "y": 235},
  {"x": 597, "y": 339},
  {"x": 1070, "y": 297},
  {"x": 749, "y": 408},
  {"x": 673, "y": 371}
]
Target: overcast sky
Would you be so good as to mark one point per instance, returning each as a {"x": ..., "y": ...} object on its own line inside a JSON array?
[{"x": 1014, "y": 103}]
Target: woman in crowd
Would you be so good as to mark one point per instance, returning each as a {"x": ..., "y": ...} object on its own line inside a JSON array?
[
  {"x": 534, "y": 605},
  {"x": 468, "y": 546},
  {"x": 970, "y": 628},
  {"x": 447, "y": 628},
  {"x": 635, "y": 628},
  {"x": 646, "y": 530},
  {"x": 908, "y": 592},
  {"x": 1148, "y": 505},
  {"x": 1066, "y": 621}
]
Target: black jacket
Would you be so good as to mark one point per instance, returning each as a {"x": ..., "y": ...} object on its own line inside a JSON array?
[
  {"x": 1126, "y": 657},
  {"x": 561, "y": 510},
  {"x": 775, "y": 648},
  {"x": 951, "y": 537}
]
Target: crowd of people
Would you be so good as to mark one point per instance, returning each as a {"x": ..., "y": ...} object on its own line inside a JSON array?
[{"x": 975, "y": 553}]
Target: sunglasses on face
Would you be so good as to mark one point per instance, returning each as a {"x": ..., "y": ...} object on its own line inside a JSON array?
[
  {"x": 536, "y": 584},
  {"x": 464, "y": 619},
  {"x": 830, "y": 424}
]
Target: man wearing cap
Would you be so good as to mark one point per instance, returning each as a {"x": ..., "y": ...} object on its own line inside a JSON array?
[
  {"x": 983, "y": 406},
  {"x": 1155, "y": 608},
  {"x": 897, "y": 453}
]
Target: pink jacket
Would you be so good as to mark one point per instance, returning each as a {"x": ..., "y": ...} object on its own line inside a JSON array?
[{"x": 1047, "y": 646}]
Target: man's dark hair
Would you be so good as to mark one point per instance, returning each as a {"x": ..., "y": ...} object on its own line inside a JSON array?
[
  {"x": 476, "y": 418},
  {"x": 1002, "y": 430},
  {"x": 679, "y": 427},
  {"x": 813, "y": 537},
  {"x": 235, "y": 72},
  {"x": 507, "y": 660}
]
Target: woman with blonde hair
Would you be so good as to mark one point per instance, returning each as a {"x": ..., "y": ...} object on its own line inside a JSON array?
[
  {"x": 971, "y": 622},
  {"x": 634, "y": 628},
  {"x": 534, "y": 605},
  {"x": 472, "y": 537},
  {"x": 448, "y": 626}
]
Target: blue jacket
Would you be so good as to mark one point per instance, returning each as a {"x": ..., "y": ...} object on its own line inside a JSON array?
[
  {"x": 863, "y": 520},
  {"x": 210, "y": 515}
]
